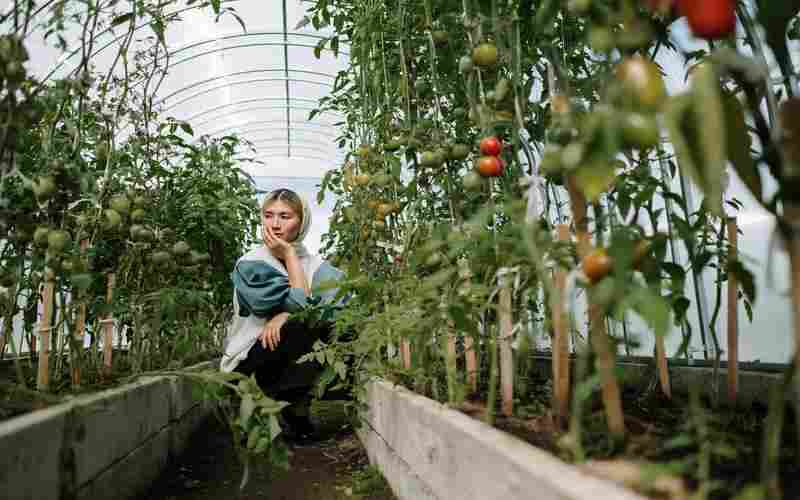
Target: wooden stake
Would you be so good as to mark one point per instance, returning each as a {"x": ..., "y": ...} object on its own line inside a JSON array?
[
  {"x": 612, "y": 401},
  {"x": 505, "y": 316},
  {"x": 405, "y": 353},
  {"x": 561, "y": 368},
  {"x": 733, "y": 312},
  {"x": 472, "y": 363},
  {"x": 43, "y": 374},
  {"x": 663, "y": 367},
  {"x": 108, "y": 327},
  {"x": 78, "y": 334}
]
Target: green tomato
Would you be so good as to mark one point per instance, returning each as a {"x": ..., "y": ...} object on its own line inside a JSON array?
[
  {"x": 181, "y": 248},
  {"x": 640, "y": 131},
  {"x": 40, "y": 236},
  {"x": 57, "y": 241},
  {"x": 44, "y": 187},
  {"x": 459, "y": 152},
  {"x": 121, "y": 204}
]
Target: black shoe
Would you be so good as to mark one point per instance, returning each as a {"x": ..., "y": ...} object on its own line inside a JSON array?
[{"x": 300, "y": 429}]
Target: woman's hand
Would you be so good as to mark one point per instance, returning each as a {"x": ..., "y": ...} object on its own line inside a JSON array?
[
  {"x": 281, "y": 249},
  {"x": 271, "y": 334}
]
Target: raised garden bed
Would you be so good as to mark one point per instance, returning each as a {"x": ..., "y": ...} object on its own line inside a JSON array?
[
  {"x": 112, "y": 444},
  {"x": 429, "y": 451}
]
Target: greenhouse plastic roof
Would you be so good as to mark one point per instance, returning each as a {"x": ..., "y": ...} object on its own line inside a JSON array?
[{"x": 260, "y": 82}]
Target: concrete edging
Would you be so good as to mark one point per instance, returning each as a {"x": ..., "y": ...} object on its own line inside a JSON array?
[
  {"x": 428, "y": 451},
  {"x": 108, "y": 445},
  {"x": 754, "y": 386}
]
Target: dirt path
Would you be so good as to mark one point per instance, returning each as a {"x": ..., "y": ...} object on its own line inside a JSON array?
[{"x": 335, "y": 468}]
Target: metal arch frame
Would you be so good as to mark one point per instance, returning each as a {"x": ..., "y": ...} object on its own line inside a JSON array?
[
  {"x": 244, "y": 101},
  {"x": 245, "y": 35},
  {"x": 302, "y": 155},
  {"x": 246, "y": 133},
  {"x": 244, "y": 82},
  {"x": 72, "y": 54},
  {"x": 66, "y": 59},
  {"x": 259, "y": 108},
  {"x": 238, "y": 73},
  {"x": 265, "y": 108},
  {"x": 245, "y": 46},
  {"x": 281, "y": 141},
  {"x": 323, "y": 146},
  {"x": 247, "y": 124}
]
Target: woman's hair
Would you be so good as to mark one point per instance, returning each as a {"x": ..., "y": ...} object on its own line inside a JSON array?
[{"x": 287, "y": 196}]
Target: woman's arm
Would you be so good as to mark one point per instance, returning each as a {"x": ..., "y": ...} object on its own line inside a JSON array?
[{"x": 297, "y": 278}]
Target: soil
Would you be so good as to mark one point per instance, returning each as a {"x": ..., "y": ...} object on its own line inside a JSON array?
[
  {"x": 651, "y": 421},
  {"x": 333, "y": 468}
]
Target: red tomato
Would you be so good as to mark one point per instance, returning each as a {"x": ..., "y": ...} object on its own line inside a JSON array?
[
  {"x": 491, "y": 146},
  {"x": 596, "y": 265},
  {"x": 490, "y": 166},
  {"x": 710, "y": 19}
]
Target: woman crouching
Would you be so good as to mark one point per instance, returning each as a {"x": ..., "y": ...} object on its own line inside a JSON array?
[{"x": 271, "y": 282}]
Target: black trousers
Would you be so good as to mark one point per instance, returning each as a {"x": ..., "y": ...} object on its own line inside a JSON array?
[{"x": 277, "y": 372}]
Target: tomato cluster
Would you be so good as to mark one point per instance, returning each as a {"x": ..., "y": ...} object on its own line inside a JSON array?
[{"x": 490, "y": 164}]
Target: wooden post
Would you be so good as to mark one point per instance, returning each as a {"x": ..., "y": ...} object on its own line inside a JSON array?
[
  {"x": 2, "y": 344},
  {"x": 733, "y": 312},
  {"x": 43, "y": 374},
  {"x": 108, "y": 328},
  {"x": 405, "y": 353},
  {"x": 77, "y": 339},
  {"x": 505, "y": 315},
  {"x": 561, "y": 368},
  {"x": 612, "y": 400},
  {"x": 471, "y": 362},
  {"x": 663, "y": 367}
]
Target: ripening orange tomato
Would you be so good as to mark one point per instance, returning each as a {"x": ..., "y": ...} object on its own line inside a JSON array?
[
  {"x": 596, "y": 265},
  {"x": 490, "y": 166}
]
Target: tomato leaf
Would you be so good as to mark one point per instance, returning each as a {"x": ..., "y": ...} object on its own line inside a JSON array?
[
  {"x": 124, "y": 18},
  {"x": 739, "y": 143},
  {"x": 775, "y": 17}
]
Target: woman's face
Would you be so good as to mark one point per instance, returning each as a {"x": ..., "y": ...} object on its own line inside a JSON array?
[{"x": 282, "y": 220}]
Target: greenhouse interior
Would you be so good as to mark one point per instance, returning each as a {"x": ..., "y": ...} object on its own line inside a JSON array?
[{"x": 400, "y": 249}]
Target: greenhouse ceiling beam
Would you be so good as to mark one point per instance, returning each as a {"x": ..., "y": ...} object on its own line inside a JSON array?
[
  {"x": 285, "y": 71},
  {"x": 286, "y": 74},
  {"x": 323, "y": 146},
  {"x": 281, "y": 148},
  {"x": 244, "y": 46},
  {"x": 298, "y": 155},
  {"x": 147, "y": 24},
  {"x": 243, "y": 131},
  {"x": 202, "y": 123},
  {"x": 244, "y": 82},
  {"x": 79, "y": 50},
  {"x": 245, "y": 101},
  {"x": 234, "y": 36},
  {"x": 255, "y": 142}
]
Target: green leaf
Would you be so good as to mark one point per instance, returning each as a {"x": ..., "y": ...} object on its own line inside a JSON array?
[
  {"x": 775, "y": 16},
  {"x": 680, "y": 306},
  {"x": 274, "y": 427},
  {"x": 187, "y": 128},
  {"x": 318, "y": 48},
  {"x": 709, "y": 113},
  {"x": 124, "y": 18},
  {"x": 745, "y": 279},
  {"x": 335, "y": 46},
  {"x": 739, "y": 143},
  {"x": 246, "y": 409},
  {"x": 595, "y": 178},
  {"x": 216, "y": 5}
]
